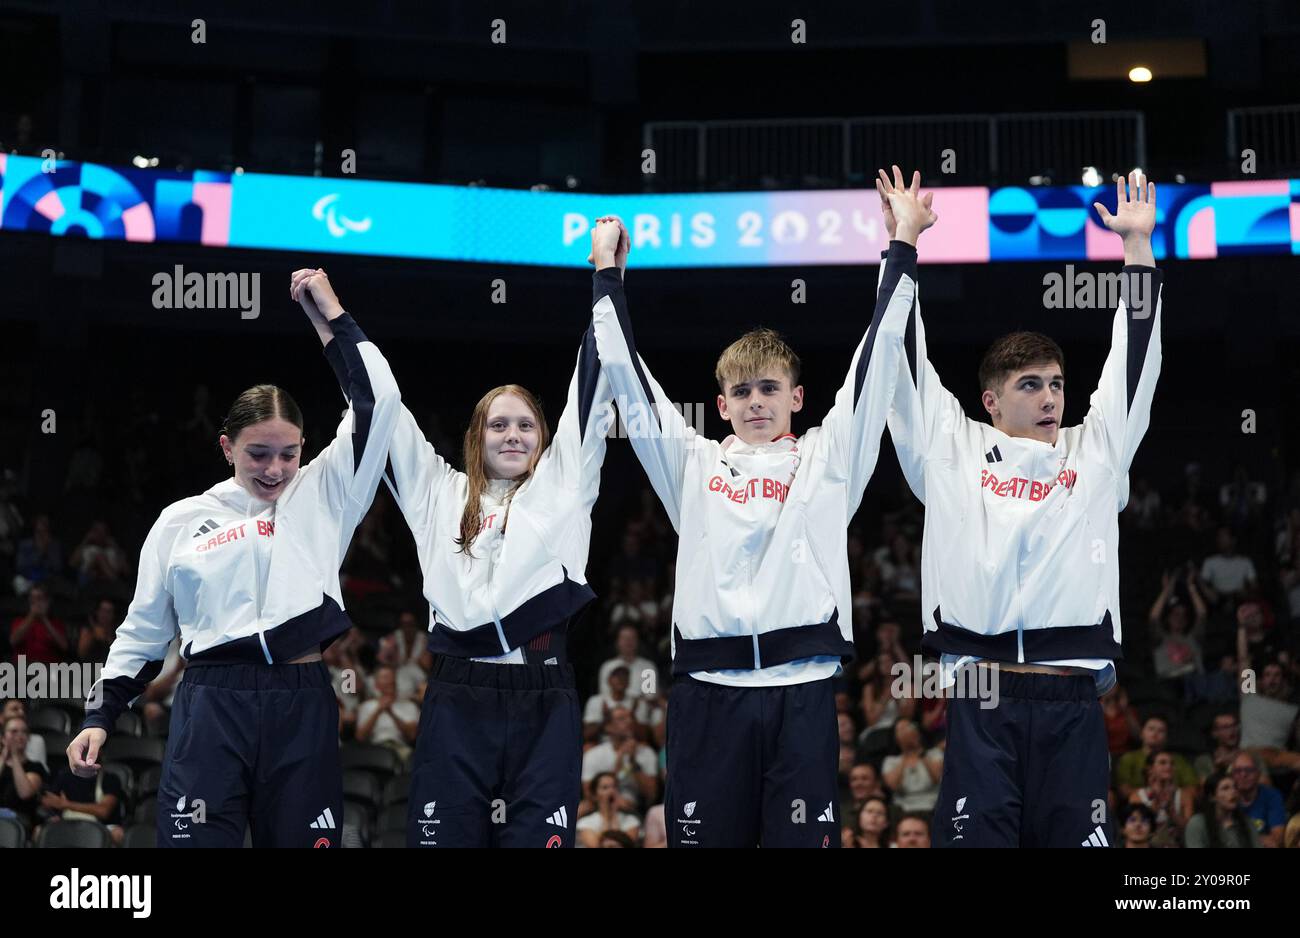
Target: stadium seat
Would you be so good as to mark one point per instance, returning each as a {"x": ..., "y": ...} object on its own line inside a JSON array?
[
  {"x": 76, "y": 834},
  {"x": 129, "y": 723},
  {"x": 393, "y": 838},
  {"x": 12, "y": 833},
  {"x": 139, "y": 752},
  {"x": 146, "y": 783},
  {"x": 50, "y": 720},
  {"x": 399, "y": 788},
  {"x": 141, "y": 835},
  {"x": 393, "y": 816},
  {"x": 147, "y": 811},
  {"x": 360, "y": 785},
  {"x": 379, "y": 760},
  {"x": 125, "y": 775}
]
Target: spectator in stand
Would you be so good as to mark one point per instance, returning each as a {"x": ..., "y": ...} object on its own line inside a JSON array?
[
  {"x": 1268, "y": 719},
  {"x": 1290, "y": 580},
  {"x": 17, "y": 707},
  {"x": 638, "y": 608},
  {"x": 1220, "y": 822},
  {"x": 913, "y": 776},
  {"x": 870, "y": 825},
  {"x": 900, "y": 573},
  {"x": 634, "y": 764},
  {"x": 1262, "y": 804},
  {"x": 1286, "y": 545},
  {"x": 603, "y": 792},
  {"x": 1131, "y": 769},
  {"x": 1171, "y": 805},
  {"x": 20, "y": 778},
  {"x": 1139, "y": 823},
  {"x": 599, "y": 706},
  {"x": 1241, "y": 499},
  {"x": 73, "y": 798},
  {"x": 1178, "y": 652},
  {"x": 642, "y": 672},
  {"x": 39, "y": 558},
  {"x": 388, "y": 720},
  {"x": 1218, "y": 686},
  {"x": 1225, "y": 729},
  {"x": 616, "y": 839},
  {"x": 632, "y": 562},
  {"x": 367, "y": 568},
  {"x": 39, "y": 636},
  {"x": 1227, "y": 575},
  {"x": 155, "y": 703},
  {"x": 880, "y": 707},
  {"x": 1122, "y": 727},
  {"x": 411, "y": 648},
  {"x": 97, "y": 634},
  {"x": 912, "y": 830},
  {"x": 1143, "y": 509},
  {"x": 100, "y": 563},
  {"x": 347, "y": 686}
]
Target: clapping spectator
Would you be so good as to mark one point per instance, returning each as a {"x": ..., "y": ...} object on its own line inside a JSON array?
[
  {"x": 603, "y": 792},
  {"x": 913, "y": 775},
  {"x": 634, "y": 765},
  {"x": 99, "y": 561},
  {"x": 1171, "y": 805},
  {"x": 1179, "y": 652},
  {"x": 20, "y": 778},
  {"x": 638, "y": 608},
  {"x": 1220, "y": 822},
  {"x": 388, "y": 720},
  {"x": 38, "y": 635},
  {"x": 35, "y": 752},
  {"x": 97, "y": 634}
]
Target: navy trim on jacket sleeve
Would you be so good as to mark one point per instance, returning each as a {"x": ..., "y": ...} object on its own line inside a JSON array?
[
  {"x": 609, "y": 282},
  {"x": 116, "y": 694},
  {"x": 1139, "y": 329},
  {"x": 350, "y": 370},
  {"x": 901, "y": 260}
]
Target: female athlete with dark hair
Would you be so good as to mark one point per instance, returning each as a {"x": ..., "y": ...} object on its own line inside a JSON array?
[{"x": 247, "y": 573}]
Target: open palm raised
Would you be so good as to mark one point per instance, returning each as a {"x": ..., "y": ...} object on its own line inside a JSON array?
[{"x": 1135, "y": 210}]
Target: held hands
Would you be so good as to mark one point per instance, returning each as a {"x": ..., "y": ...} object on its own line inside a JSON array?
[
  {"x": 609, "y": 244},
  {"x": 311, "y": 289},
  {"x": 906, "y": 213}
]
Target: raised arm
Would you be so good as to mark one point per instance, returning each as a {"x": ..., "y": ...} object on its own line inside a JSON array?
[
  {"x": 355, "y": 459},
  {"x": 855, "y": 422},
  {"x": 924, "y": 413},
  {"x": 137, "y": 653},
  {"x": 577, "y": 450},
  {"x": 1121, "y": 405},
  {"x": 659, "y": 435}
]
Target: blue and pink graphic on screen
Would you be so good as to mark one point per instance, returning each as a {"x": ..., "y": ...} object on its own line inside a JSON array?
[
  {"x": 732, "y": 229},
  {"x": 93, "y": 201}
]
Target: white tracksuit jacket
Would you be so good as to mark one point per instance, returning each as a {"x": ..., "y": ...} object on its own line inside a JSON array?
[
  {"x": 525, "y": 580},
  {"x": 1020, "y": 557},
  {"x": 762, "y": 594},
  {"x": 245, "y": 580}
]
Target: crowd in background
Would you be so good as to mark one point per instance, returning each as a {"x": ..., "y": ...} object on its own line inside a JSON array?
[{"x": 1202, "y": 725}]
